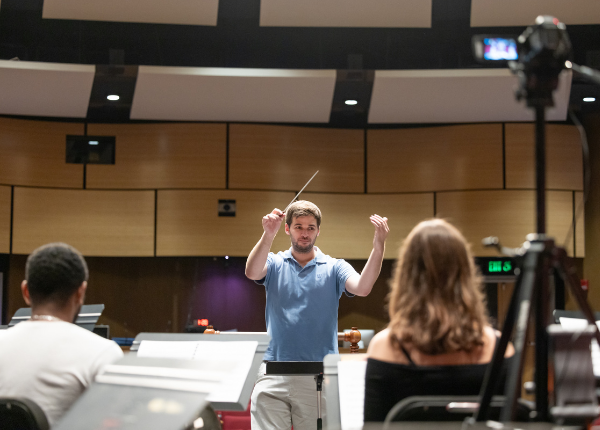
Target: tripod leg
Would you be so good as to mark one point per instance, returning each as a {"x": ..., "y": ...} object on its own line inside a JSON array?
[
  {"x": 527, "y": 291},
  {"x": 569, "y": 274},
  {"x": 493, "y": 371}
]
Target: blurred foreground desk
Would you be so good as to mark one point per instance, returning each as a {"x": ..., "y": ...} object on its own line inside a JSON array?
[{"x": 164, "y": 391}]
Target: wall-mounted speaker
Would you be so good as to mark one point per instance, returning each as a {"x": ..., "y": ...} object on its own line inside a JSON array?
[{"x": 90, "y": 149}]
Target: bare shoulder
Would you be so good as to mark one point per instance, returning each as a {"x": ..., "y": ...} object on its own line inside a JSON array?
[
  {"x": 379, "y": 344},
  {"x": 493, "y": 336}
]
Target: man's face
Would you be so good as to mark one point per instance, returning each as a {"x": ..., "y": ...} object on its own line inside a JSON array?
[{"x": 303, "y": 232}]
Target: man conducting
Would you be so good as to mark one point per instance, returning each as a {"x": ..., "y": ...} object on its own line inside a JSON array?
[
  {"x": 303, "y": 288},
  {"x": 48, "y": 359}
]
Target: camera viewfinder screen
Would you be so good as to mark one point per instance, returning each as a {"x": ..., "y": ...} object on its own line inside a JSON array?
[{"x": 499, "y": 48}]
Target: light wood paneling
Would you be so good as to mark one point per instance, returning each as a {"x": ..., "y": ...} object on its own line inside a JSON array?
[
  {"x": 268, "y": 157},
  {"x": 435, "y": 158},
  {"x": 507, "y": 214},
  {"x": 564, "y": 168},
  {"x": 98, "y": 223},
  {"x": 188, "y": 222},
  {"x": 346, "y": 231},
  {"x": 5, "y": 210},
  {"x": 162, "y": 156},
  {"x": 33, "y": 153}
]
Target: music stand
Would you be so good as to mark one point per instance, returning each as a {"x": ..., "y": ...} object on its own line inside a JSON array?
[
  {"x": 87, "y": 318},
  {"x": 299, "y": 368},
  {"x": 143, "y": 393},
  {"x": 263, "y": 340}
]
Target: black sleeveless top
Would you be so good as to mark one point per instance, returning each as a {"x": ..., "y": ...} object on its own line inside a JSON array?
[{"x": 388, "y": 383}]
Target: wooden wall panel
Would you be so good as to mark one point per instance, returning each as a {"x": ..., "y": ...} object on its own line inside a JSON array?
[
  {"x": 268, "y": 157},
  {"x": 564, "y": 169},
  {"x": 98, "y": 223},
  {"x": 346, "y": 231},
  {"x": 507, "y": 214},
  {"x": 5, "y": 210},
  {"x": 162, "y": 156},
  {"x": 32, "y": 153},
  {"x": 435, "y": 158},
  {"x": 188, "y": 223}
]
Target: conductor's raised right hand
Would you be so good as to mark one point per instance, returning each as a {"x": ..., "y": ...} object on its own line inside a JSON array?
[{"x": 272, "y": 222}]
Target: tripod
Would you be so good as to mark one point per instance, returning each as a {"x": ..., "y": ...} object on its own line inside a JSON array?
[{"x": 544, "y": 49}]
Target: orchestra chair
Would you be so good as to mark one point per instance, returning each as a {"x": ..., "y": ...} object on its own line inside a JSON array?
[
  {"x": 18, "y": 413},
  {"x": 451, "y": 408}
]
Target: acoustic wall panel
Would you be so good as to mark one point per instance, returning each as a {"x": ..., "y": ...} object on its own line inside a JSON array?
[
  {"x": 453, "y": 96},
  {"x": 98, "y": 223},
  {"x": 435, "y": 158},
  {"x": 345, "y": 13},
  {"x": 507, "y": 214},
  {"x": 233, "y": 94},
  {"x": 45, "y": 89},
  {"x": 516, "y": 13},
  {"x": 284, "y": 158},
  {"x": 188, "y": 223},
  {"x": 32, "y": 153},
  {"x": 5, "y": 211},
  {"x": 564, "y": 165},
  {"x": 162, "y": 156},
  {"x": 346, "y": 231},
  {"x": 149, "y": 11}
]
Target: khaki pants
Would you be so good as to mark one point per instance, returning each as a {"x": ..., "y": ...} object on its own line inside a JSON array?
[{"x": 278, "y": 402}]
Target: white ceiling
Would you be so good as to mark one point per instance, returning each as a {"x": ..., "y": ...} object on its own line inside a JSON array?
[
  {"x": 191, "y": 12},
  {"x": 45, "y": 89},
  {"x": 501, "y": 13},
  {"x": 345, "y": 13},
  {"x": 454, "y": 96},
  {"x": 220, "y": 94}
]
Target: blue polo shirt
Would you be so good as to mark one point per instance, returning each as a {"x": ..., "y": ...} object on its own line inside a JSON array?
[{"x": 302, "y": 305}]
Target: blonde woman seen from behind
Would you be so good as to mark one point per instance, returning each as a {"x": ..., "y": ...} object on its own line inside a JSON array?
[{"x": 439, "y": 340}]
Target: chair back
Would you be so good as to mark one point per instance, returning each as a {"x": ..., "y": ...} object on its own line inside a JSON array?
[
  {"x": 18, "y": 413},
  {"x": 450, "y": 408}
]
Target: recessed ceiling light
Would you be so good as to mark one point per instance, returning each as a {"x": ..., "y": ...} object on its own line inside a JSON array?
[
  {"x": 113, "y": 97},
  {"x": 589, "y": 99},
  {"x": 351, "y": 102}
]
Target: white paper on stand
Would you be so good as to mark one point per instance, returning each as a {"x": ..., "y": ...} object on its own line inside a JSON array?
[
  {"x": 581, "y": 324},
  {"x": 351, "y": 380},
  {"x": 229, "y": 361}
]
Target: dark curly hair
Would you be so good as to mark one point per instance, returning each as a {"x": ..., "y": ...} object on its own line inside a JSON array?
[{"x": 54, "y": 272}]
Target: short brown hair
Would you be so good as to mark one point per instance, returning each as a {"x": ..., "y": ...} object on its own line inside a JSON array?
[
  {"x": 436, "y": 301},
  {"x": 302, "y": 208}
]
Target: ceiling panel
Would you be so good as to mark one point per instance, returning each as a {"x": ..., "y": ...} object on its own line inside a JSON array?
[
  {"x": 190, "y": 12},
  {"x": 345, "y": 13},
  {"x": 45, "y": 89},
  {"x": 453, "y": 96},
  {"x": 494, "y": 13},
  {"x": 220, "y": 94}
]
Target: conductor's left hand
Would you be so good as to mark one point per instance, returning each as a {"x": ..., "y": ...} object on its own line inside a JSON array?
[{"x": 381, "y": 230}]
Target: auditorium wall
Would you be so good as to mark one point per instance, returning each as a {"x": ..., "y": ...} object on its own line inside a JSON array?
[{"x": 156, "y": 246}]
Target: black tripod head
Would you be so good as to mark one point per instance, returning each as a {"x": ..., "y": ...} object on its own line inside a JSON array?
[{"x": 543, "y": 50}]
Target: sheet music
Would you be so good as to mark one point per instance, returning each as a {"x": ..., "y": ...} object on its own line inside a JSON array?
[
  {"x": 351, "y": 380},
  {"x": 581, "y": 324},
  {"x": 228, "y": 361}
]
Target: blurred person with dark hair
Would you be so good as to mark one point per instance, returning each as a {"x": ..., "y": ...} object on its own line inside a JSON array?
[
  {"x": 48, "y": 359},
  {"x": 439, "y": 340}
]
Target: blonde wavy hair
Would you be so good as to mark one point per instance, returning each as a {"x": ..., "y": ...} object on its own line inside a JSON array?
[{"x": 436, "y": 300}]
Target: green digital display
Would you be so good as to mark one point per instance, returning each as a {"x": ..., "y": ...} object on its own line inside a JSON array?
[
  {"x": 496, "y": 266},
  {"x": 499, "y": 266}
]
